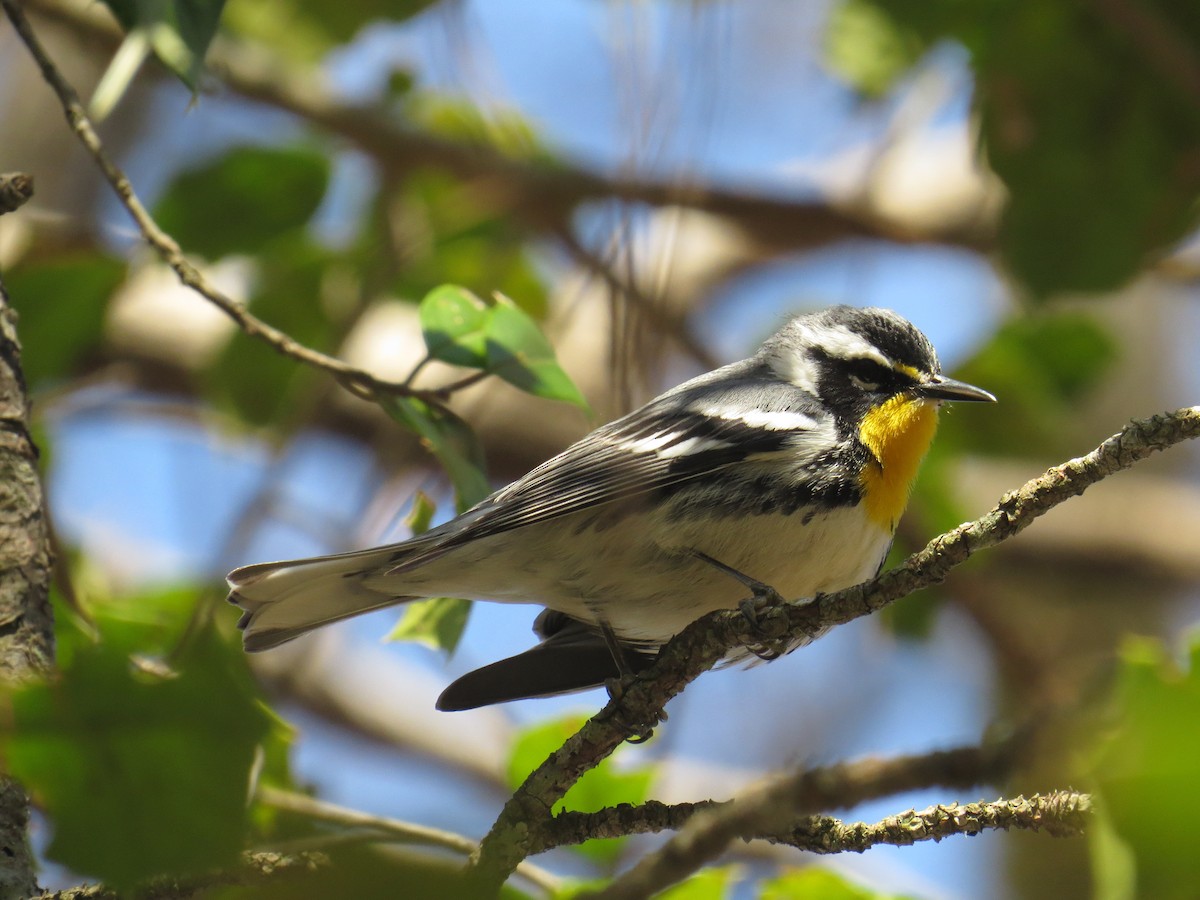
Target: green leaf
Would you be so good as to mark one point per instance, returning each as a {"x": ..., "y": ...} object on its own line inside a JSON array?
[
  {"x": 1041, "y": 367},
  {"x": 438, "y": 623},
  {"x": 450, "y": 440},
  {"x": 1092, "y": 134},
  {"x": 142, "y": 774},
  {"x": 817, "y": 883},
  {"x": 179, "y": 30},
  {"x": 713, "y": 883},
  {"x": 867, "y": 48},
  {"x": 62, "y": 304},
  {"x": 1148, "y": 771},
  {"x": 519, "y": 353},
  {"x": 308, "y": 29},
  {"x": 247, "y": 378},
  {"x": 420, "y": 517},
  {"x": 248, "y": 198},
  {"x": 600, "y": 787},
  {"x": 454, "y": 324}
]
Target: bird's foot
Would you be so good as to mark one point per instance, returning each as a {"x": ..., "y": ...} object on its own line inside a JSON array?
[{"x": 639, "y": 732}]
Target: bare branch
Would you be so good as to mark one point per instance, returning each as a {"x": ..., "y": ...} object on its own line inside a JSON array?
[
  {"x": 701, "y": 645},
  {"x": 842, "y": 785},
  {"x": 1059, "y": 814},
  {"x": 408, "y": 832},
  {"x": 258, "y": 867},
  {"x": 355, "y": 380},
  {"x": 540, "y": 194},
  {"x": 15, "y": 189}
]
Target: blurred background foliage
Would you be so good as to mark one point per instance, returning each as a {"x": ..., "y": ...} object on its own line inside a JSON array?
[{"x": 414, "y": 186}]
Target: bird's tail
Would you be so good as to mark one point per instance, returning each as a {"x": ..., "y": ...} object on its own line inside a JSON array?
[{"x": 283, "y": 600}]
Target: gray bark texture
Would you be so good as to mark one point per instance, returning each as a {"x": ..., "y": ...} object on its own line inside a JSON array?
[{"x": 26, "y": 620}]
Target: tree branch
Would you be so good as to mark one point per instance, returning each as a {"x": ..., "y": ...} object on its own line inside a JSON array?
[
  {"x": 26, "y": 620},
  {"x": 355, "y": 380},
  {"x": 540, "y": 194},
  {"x": 258, "y": 867},
  {"x": 408, "y": 832},
  {"x": 701, "y": 645},
  {"x": 844, "y": 785}
]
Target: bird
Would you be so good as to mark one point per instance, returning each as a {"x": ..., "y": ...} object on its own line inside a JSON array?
[{"x": 789, "y": 469}]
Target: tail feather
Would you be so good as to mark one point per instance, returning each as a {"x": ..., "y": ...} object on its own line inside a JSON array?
[{"x": 283, "y": 600}]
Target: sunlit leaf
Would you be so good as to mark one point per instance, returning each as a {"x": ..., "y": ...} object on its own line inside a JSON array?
[
  {"x": 438, "y": 623},
  {"x": 140, "y": 773},
  {"x": 713, "y": 883},
  {"x": 867, "y": 48},
  {"x": 519, "y": 353},
  {"x": 454, "y": 323},
  {"x": 244, "y": 200},
  {"x": 603, "y": 786},
  {"x": 818, "y": 883}
]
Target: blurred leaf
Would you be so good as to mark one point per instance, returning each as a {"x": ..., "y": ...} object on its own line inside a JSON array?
[
  {"x": 179, "y": 30},
  {"x": 818, "y": 883},
  {"x": 454, "y": 324},
  {"x": 370, "y": 873},
  {"x": 712, "y": 883},
  {"x": 420, "y": 517},
  {"x": 1114, "y": 870},
  {"x": 244, "y": 200},
  {"x": 142, "y": 774},
  {"x": 436, "y": 623},
  {"x": 62, "y": 303},
  {"x": 1040, "y": 367},
  {"x": 1088, "y": 128},
  {"x": 520, "y": 354},
  {"x": 600, "y": 787},
  {"x": 1149, "y": 771},
  {"x": 866, "y": 47},
  {"x": 505, "y": 130},
  {"x": 252, "y": 381},
  {"x": 450, "y": 440},
  {"x": 308, "y": 29}
]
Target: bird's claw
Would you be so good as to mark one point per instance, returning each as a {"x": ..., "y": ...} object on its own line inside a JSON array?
[{"x": 639, "y": 732}]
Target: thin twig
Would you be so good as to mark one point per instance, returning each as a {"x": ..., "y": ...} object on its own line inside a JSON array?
[
  {"x": 355, "y": 380},
  {"x": 15, "y": 190},
  {"x": 701, "y": 645},
  {"x": 408, "y": 832}
]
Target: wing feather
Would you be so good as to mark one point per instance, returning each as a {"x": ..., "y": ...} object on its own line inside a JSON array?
[{"x": 693, "y": 431}]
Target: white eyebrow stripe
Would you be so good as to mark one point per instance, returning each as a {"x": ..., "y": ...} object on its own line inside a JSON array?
[{"x": 842, "y": 343}]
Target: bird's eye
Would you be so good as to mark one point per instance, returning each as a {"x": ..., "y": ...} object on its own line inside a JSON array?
[{"x": 868, "y": 375}]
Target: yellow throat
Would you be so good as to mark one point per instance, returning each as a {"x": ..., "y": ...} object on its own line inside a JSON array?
[{"x": 898, "y": 433}]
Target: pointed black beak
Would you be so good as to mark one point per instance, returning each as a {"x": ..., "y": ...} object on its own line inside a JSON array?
[{"x": 939, "y": 387}]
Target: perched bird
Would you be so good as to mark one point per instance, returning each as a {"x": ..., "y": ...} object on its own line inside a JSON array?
[{"x": 790, "y": 468}]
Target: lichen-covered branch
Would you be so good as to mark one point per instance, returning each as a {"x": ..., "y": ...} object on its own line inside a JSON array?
[
  {"x": 846, "y": 784},
  {"x": 700, "y": 646},
  {"x": 1059, "y": 813}
]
